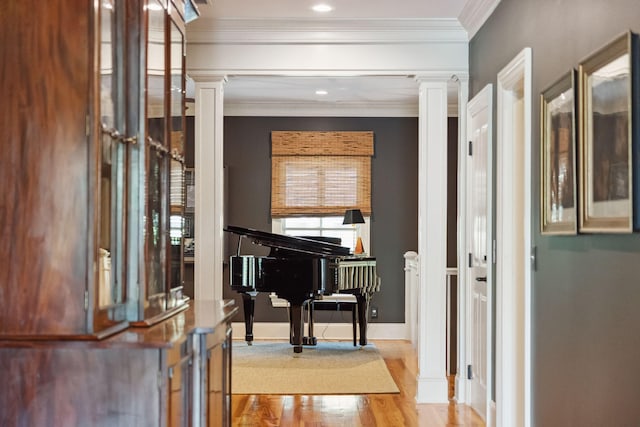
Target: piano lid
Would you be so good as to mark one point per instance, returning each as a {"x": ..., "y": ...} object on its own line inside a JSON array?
[{"x": 298, "y": 244}]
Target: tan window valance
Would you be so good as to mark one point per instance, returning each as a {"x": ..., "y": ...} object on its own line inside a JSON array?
[{"x": 320, "y": 173}]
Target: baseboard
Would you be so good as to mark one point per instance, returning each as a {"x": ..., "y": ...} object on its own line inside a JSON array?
[
  {"x": 330, "y": 331},
  {"x": 492, "y": 419},
  {"x": 432, "y": 390}
]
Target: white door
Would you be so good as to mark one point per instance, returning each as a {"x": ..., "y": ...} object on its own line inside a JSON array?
[{"x": 479, "y": 239}]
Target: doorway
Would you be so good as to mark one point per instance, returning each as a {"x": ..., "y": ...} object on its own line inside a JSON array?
[
  {"x": 479, "y": 238},
  {"x": 513, "y": 242}
]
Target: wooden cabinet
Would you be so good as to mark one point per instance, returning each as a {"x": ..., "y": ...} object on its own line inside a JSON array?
[
  {"x": 158, "y": 172},
  {"x": 154, "y": 376},
  {"x": 216, "y": 382},
  {"x": 92, "y": 143},
  {"x": 179, "y": 377},
  {"x": 61, "y": 215},
  {"x": 93, "y": 326}
]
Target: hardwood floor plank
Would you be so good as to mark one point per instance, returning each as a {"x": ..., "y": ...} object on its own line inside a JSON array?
[{"x": 369, "y": 410}]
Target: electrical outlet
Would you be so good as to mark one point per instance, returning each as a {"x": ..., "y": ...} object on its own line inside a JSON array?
[{"x": 374, "y": 312}]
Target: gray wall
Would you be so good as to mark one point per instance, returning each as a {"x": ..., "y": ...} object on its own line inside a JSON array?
[
  {"x": 586, "y": 290},
  {"x": 394, "y": 221}
]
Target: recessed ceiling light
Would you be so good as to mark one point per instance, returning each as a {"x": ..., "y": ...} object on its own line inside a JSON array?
[
  {"x": 322, "y": 8},
  {"x": 321, "y": 92}
]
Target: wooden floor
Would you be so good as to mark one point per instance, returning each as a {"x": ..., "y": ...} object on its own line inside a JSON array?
[{"x": 379, "y": 410}]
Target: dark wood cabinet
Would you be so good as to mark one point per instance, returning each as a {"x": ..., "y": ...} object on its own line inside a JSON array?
[
  {"x": 216, "y": 382},
  {"x": 57, "y": 176},
  {"x": 153, "y": 376},
  {"x": 92, "y": 142},
  {"x": 94, "y": 329}
]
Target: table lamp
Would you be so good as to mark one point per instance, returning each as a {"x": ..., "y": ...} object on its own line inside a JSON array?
[{"x": 354, "y": 216}]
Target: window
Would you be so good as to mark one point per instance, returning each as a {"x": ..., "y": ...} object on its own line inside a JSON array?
[
  {"x": 315, "y": 178},
  {"x": 320, "y": 173},
  {"x": 326, "y": 226}
]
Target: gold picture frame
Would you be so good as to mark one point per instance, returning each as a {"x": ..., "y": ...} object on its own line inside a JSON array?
[
  {"x": 607, "y": 137},
  {"x": 558, "y": 198}
]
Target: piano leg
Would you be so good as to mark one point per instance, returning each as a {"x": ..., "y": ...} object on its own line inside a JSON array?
[
  {"x": 363, "y": 308},
  {"x": 249, "y": 303},
  {"x": 296, "y": 322},
  {"x": 309, "y": 340}
]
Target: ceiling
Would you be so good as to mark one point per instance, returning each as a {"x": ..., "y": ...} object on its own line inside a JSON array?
[
  {"x": 352, "y": 9},
  {"x": 340, "y": 90}
]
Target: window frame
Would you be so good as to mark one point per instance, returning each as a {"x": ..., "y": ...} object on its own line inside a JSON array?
[{"x": 277, "y": 227}]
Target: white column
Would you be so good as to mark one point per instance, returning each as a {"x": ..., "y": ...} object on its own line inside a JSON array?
[
  {"x": 209, "y": 182},
  {"x": 432, "y": 240}
]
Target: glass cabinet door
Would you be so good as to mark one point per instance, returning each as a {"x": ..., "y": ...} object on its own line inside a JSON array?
[
  {"x": 177, "y": 127},
  {"x": 112, "y": 154},
  {"x": 156, "y": 224}
]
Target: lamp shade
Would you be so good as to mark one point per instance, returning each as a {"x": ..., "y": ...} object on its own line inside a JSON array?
[{"x": 353, "y": 216}]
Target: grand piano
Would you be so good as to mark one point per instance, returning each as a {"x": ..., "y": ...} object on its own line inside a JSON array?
[{"x": 298, "y": 269}]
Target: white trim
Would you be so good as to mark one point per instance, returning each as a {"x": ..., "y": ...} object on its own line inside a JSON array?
[
  {"x": 329, "y": 331},
  {"x": 326, "y": 31},
  {"x": 209, "y": 177},
  {"x": 432, "y": 384},
  {"x": 482, "y": 101},
  {"x": 411, "y": 295},
  {"x": 492, "y": 413},
  {"x": 475, "y": 13},
  {"x": 513, "y": 266},
  {"x": 463, "y": 98},
  {"x": 314, "y": 109}
]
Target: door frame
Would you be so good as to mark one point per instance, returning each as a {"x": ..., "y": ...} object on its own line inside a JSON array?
[
  {"x": 514, "y": 247},
  {"x": 482, "y": 101}
]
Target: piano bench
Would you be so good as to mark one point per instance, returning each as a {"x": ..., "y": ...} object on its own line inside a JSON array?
[{"x": 344, "y": 302}]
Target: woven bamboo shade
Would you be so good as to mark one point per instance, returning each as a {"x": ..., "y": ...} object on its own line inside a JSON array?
[
  {"x": 320, "y": 173},
  {"x": 309, "y": 143}
]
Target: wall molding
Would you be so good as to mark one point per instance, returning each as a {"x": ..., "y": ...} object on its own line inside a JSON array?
[
  {"x": 334, "y": 31},
  {"x": 475, "y": 13},
  {"x": 314, "y": 109},
  {"x": 514, "y": 242}
]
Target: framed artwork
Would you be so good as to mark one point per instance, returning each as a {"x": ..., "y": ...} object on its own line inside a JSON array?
[
  {"x": 608, "y": 113},
  {"x": 558, "y": 201}
]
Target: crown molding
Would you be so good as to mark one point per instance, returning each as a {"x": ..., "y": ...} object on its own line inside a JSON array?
[
  {"x": 475, "y": 13},
  {"x": 335, "y": 31},
  {"x": 311, "y": 109},
  {"x": 315, "y": 109}
]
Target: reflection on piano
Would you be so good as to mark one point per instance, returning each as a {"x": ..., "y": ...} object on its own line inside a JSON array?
[{"x": 298, "y": 269}]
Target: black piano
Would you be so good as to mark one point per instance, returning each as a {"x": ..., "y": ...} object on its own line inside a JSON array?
[{"x": 298, "y": 269}]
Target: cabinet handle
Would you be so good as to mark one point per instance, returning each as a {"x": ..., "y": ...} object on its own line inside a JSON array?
[
  {"x": 117, "y": 136},
  {"x": 161, "y": 150}
]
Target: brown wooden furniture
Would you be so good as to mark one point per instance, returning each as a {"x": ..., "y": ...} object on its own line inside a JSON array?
[
  {"x": 92, "y": 149},
  {"x": 93, "y": 326},
  {"x": 175, "y": 373}
]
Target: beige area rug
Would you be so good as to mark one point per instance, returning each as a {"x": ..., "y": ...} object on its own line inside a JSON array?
[{"x": 328, "y": 368}]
